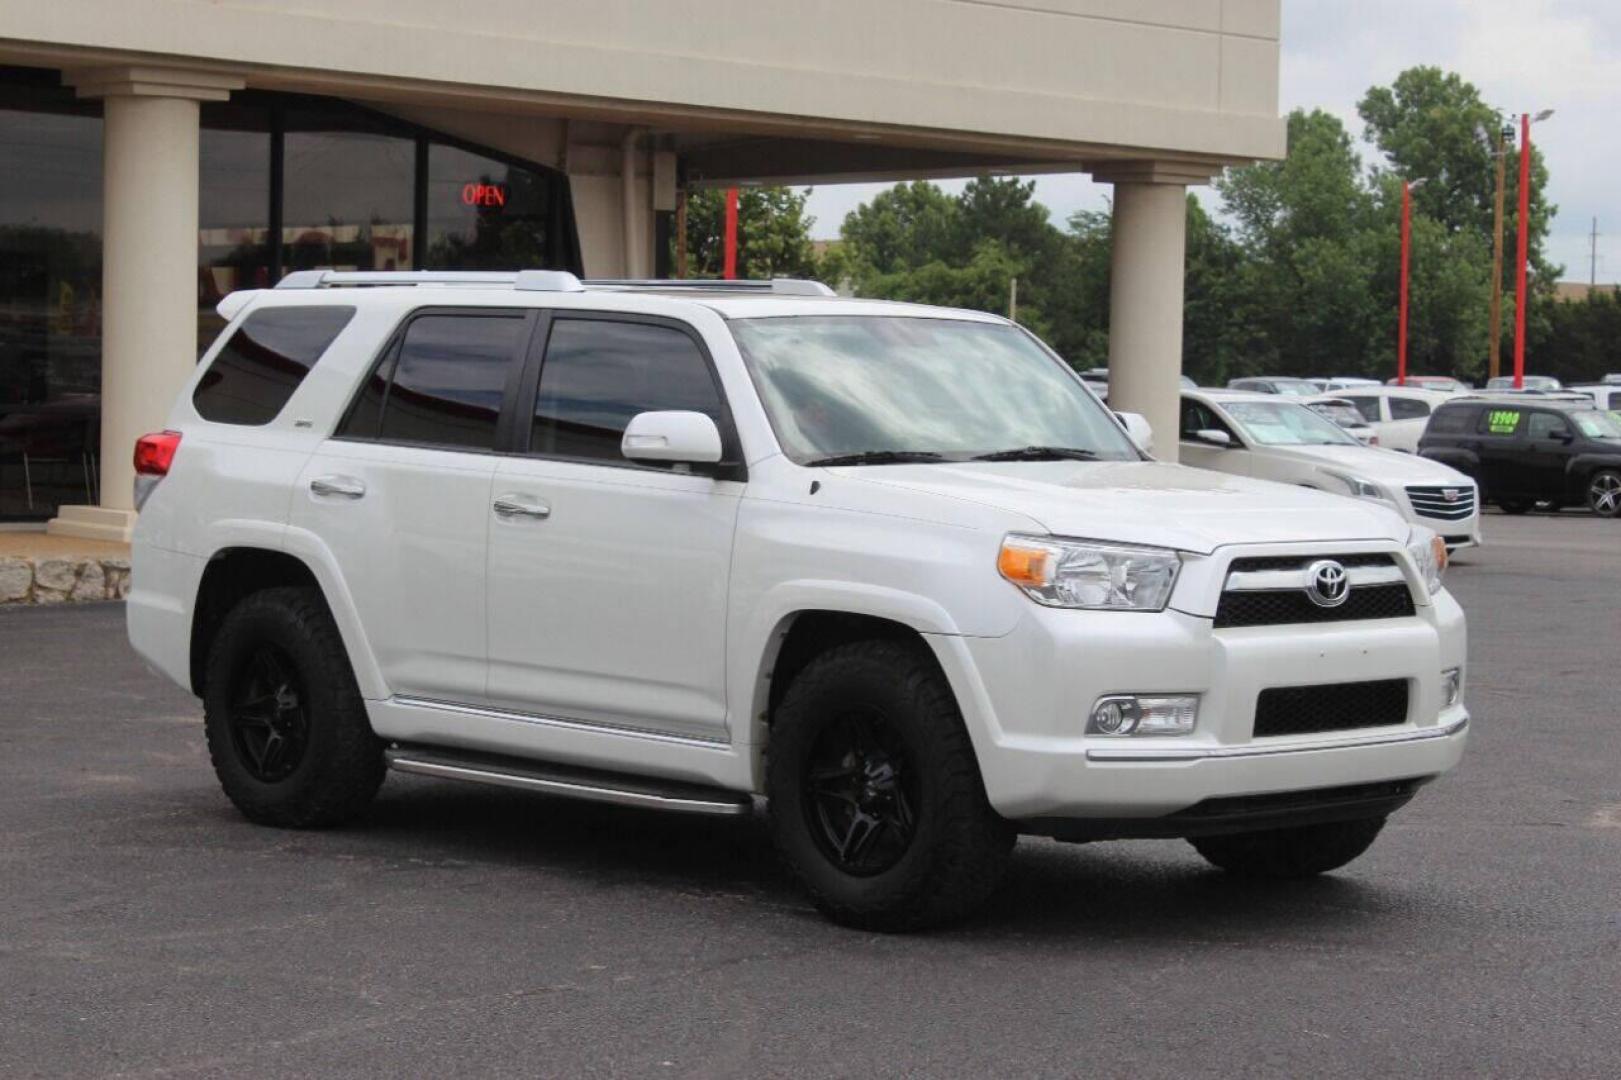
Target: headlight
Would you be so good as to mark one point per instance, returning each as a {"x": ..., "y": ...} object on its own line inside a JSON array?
[
  {"x": 1073, "y": 574},
  {"x": 1362, "y": 489},
  {"x": 1429, "y": 553}
]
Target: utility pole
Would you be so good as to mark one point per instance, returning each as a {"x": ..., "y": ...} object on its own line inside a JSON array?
[
  {"x": 1013, "y": 299},
  {"x": 1592, "y": 258},
  {"x": 1495, "y": 338}
]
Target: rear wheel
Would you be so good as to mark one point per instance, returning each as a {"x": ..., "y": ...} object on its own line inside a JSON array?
[
  {"x": 876, "y": 802},
  {"x": 1300, "y": 852},
  {"x": 286, "y": 727},
  {"x": 1604, "y": 493}
]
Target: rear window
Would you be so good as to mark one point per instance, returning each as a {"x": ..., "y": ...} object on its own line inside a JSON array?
[
  {"x": 446, "y": 383},
  {"x": 1454, "y": 420},
  {"x": 1402, "y": 408},
  {"x": 264, "y": 360}
]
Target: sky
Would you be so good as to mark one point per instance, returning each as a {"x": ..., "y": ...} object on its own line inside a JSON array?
[{"x": 1524, "y": 55}]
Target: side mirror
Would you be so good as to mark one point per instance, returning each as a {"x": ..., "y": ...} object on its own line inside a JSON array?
[
  {"x": 689, "y": 437},
  {"x": 1138, "y": 427},
  {"x": 1213, "y": 437},
  {"x": 1567, "y": 436}
]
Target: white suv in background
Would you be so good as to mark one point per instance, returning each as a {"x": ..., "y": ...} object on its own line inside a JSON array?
[
  {"x": 1272, "y": 438},
  {"x": 893, "y": 568},
  {"x": 1398, "y": 414}
]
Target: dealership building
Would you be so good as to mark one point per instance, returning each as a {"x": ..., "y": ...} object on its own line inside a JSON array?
[{"x": 157, "y": 154}]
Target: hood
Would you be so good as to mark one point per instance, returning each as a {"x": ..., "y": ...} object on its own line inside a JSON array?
[
  {"x": 1147, "y": 502},
  {"x": 1388, "y": 467}
]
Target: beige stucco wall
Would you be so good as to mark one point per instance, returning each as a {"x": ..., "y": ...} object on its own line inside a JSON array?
[{"x": 1192, "y": 77}]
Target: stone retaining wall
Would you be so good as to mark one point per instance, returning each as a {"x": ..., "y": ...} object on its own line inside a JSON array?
[{"x": 59, "y": 580}]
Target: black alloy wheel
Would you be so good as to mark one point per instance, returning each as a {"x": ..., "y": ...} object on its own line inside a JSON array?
[
  {"x": 862, "y": 794},
  {"x": 269, "y": 718}
]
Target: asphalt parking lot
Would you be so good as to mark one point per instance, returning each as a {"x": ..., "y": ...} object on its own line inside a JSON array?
[{"x": 146, "y": 930}]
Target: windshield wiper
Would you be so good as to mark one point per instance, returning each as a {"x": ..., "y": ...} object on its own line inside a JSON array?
[
  {"x": 1038, "y": 453},
  {"x": 877, "y": 457}
]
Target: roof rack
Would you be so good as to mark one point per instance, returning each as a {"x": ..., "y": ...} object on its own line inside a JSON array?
[{"x": 539, "y": 281}]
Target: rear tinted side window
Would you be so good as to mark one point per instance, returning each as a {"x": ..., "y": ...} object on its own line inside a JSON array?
[
  {"x": 1452, "y": 421},
  {"x": 1402, "y": 408},
  {"x": 264, "y": 360},
  {"x": 598, "y": 373},
  {"x": 1367, "y": 406},
  {"x": 1503, "y": 422}
]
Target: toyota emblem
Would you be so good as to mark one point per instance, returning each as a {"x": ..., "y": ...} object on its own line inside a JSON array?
[{"x": 1327, "y": 583}]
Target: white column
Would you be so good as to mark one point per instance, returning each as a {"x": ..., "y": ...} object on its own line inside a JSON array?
[
  {"x": 1147, "y": 268},
  {"x": 149, "y": 268}
]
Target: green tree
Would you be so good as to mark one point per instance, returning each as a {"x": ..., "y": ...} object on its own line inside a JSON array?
[
  {"x": 903, "y": 228},
  {"x": 773, "y": 233}
]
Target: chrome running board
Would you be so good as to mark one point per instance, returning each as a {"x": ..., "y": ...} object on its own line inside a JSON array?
[{"x": 567, "y": 781}]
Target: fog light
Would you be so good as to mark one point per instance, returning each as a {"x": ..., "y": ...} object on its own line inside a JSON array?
[
  {"x": 1451, "y": 687},
  {"x": 1134, "y": 714}
]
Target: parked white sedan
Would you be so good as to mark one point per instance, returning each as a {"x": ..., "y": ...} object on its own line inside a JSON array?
[{"x": 1274, "y": 438}]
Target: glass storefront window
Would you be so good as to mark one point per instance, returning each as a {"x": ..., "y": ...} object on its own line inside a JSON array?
[
  {"x": 349, "y": 197},
  {"x": 50, "y": 297},
  {"x": 233, "y": 229},
  {"x": 485, "y": 214}
]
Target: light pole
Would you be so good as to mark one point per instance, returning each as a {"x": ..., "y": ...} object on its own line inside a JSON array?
[
  {"x": 1407, "y": 187},
  {"x": 1522, "y": 256},
  {"x": 1495, "y": 343}
]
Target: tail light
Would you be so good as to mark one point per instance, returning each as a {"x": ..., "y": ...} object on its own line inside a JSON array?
[{"x": 153, "y": 456}]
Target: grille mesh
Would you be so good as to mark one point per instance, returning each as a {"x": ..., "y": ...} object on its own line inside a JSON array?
[
  {"x": 1306, "y": 710},
  {"x": 1432, "y": 502},
  {"x": 1293, "y": 606}
]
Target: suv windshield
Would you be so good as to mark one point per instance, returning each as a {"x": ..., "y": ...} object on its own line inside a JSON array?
[
  {"x": 1283, "y": 423},
  {"x": 890, "y": 389},
  {"x": 1597, "y": 425}
]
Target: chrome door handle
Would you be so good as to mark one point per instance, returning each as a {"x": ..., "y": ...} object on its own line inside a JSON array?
[
  {"x": 346, "y": 487},
  {"x": 511, "y": 506}
]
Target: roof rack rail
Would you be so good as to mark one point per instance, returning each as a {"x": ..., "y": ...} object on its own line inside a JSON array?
[
  {"x": 528, "y": 280},
  {"x": 779, "y": 286}
]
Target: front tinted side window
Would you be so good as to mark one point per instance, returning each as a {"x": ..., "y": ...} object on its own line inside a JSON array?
[
  {"x": 1546, "y": 426},
  {"x": 264, "y": 361},
  {"x": 449, "y": 380},
  {"x": 598, "y": 374},
  {"x": 1402, "y": 408},
  {"x": 1499, "y": 421}
]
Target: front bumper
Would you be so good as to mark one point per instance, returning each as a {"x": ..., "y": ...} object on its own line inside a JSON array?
[{"x": 1026, "y": 696}]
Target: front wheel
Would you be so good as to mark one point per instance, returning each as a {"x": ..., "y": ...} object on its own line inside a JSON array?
[
  {"x": 876, "y": 802},
  {"x": 287, "y": 730},
  {"x": 1300, "y": 852},
  {"x": 1604, "y": 493}
]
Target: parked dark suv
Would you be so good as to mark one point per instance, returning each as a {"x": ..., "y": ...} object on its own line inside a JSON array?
[{"x": 1522, "y": 451}]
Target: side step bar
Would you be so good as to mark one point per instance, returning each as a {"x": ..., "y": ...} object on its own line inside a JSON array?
[{"x": 567, "y": 781}]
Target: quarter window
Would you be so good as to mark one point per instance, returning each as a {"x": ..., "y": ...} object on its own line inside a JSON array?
[
  {"x": 264, "y": 361},
  {"x": 1402, "y": 408},
  {"x": 448, "y": 381},
  {"x": 599, "y": 373}
]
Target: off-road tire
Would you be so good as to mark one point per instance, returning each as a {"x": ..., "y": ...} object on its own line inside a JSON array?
[
  {"x": 1604, "y": 493},
  {"x": 341, "y": 764},
  {"x": 1300, "y": 852},
  {"x": 959, "y": 846}
]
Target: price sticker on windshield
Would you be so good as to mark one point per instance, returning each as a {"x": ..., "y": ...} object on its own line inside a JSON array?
[{"x": 1503, "y": 421}]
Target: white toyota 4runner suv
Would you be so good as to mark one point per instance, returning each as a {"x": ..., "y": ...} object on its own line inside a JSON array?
[{"x": 893, "y": 568}]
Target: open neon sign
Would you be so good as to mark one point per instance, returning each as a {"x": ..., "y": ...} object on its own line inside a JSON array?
[{"x": 484, "y": 194}]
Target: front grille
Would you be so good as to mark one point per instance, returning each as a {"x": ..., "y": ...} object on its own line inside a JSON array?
[
  {"x": 1277, "y": 607},
  {"x": 1306, "y": 710},
  {"x": 1432, "y": 502}
]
